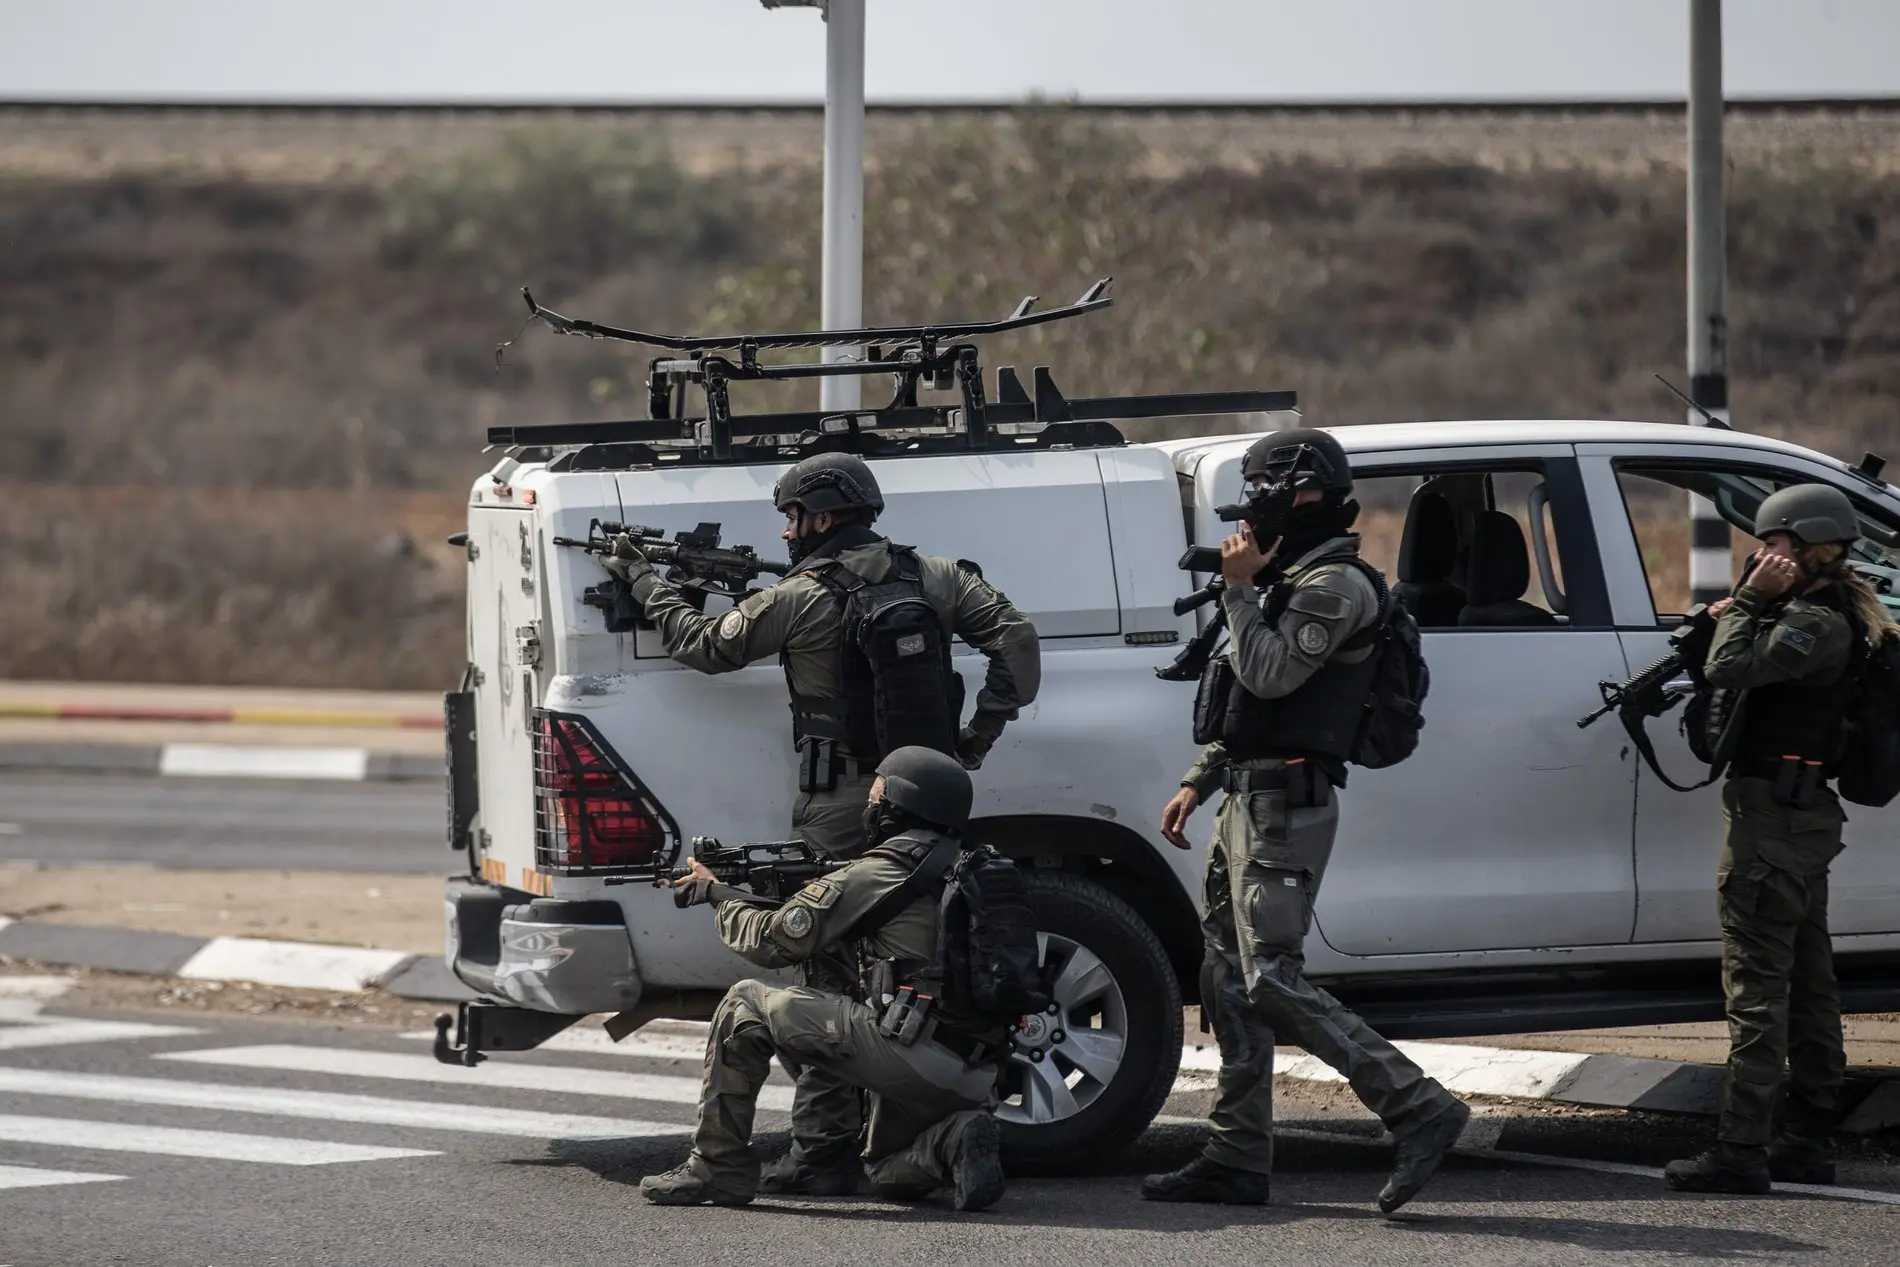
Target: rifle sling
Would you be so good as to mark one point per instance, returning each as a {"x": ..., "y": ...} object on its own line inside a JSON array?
[
  {"x": 930, "y": 871},
  {"x": 1633, "y": 720}
]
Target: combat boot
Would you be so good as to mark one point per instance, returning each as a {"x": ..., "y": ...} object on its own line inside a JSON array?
[
  {"x": 686, "y": 1184},
  {"x": 1794, "y": 1158},
  {"x": 790, "y": 1175},
  {"x": 1734, "y": 1168},
  {"x": 1418, "y": 1155},
  {"x": 978, "y": 1172},
  {"x": 1210, "y": 1181}
]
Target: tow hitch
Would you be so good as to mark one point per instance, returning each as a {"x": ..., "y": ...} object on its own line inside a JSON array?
[{"x": 482, "y": 1027}]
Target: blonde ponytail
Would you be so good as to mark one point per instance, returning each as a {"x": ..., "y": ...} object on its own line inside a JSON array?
[{"x": 1873, "y": 614}]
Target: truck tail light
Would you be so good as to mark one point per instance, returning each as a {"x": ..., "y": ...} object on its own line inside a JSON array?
[{"x": 591, "y": 815}]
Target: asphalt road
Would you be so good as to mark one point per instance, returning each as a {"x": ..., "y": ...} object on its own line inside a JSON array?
[
  {"x": 212, "y": 824},
  {"x": 304, "y": 1142}
]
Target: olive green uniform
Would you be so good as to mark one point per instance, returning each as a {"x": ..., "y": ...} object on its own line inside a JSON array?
[
  {"x": 923, "y": 1097},
  {"x": 1784, "y": 1008},
  {"x": 1269, "y": 853},
  {"x": 801, "y": 619}
]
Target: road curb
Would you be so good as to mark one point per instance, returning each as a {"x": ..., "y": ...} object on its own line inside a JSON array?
[
  {"x": 179, "y": 760},
  {"x": 260, "y": 961},
  {"x": 1598, "y": 1081},
  {"x": 355, "y": 719}
]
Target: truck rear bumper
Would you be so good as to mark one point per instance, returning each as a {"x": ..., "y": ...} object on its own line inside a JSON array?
[{"x": 549, "y": 955}]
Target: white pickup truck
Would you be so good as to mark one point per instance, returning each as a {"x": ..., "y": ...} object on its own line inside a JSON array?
[{"x": 1518, "y": 873}]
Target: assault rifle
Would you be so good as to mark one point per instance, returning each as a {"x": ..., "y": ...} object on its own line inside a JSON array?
[
  {"x": 1647, "y": 693},
  {"x": 695, "y": 563},
  {"x": 773, "y": 871},
  {"x": 1711, "y": 722}
]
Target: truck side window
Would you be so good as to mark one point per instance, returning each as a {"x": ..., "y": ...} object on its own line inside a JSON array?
[
  {"x": 1657, "y": 499},
  {"x": 1484, "y": 548}
]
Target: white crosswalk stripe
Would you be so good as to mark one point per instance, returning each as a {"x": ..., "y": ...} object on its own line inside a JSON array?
[
  {"x": 125, "y": 1137},
  {"x": 329, "y": 1106},
  {"x": 35, "y": 1177},
  {"x": 409, "y": 1068},
  {"x": 45, "y": 1032}
]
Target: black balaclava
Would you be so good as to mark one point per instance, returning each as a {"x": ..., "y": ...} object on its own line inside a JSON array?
[
  {"x": 883, "y": 820},
  {"x": 1310, "y": 526},
  {"x": 840, "y": 536}
]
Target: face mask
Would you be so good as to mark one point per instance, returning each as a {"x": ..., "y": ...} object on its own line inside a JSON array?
[
  {"x": 881, "y": 822},
  {"x": 1312, "y": 525}
]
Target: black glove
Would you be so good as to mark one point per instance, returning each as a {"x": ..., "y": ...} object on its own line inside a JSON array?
[{"x": 972, "y": 747}]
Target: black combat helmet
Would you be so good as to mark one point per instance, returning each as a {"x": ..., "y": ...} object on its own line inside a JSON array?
[
  {"x": 1311, "y": 457},
  {"x": 1814, "y": 513},
  {"x": 829, "y": 481},
  {"x": 929, "y": 786}
]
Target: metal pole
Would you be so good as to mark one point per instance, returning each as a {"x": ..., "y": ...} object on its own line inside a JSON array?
[
  {"x": 1709, "y": 567},
  {"x": 842, "y": 297}
]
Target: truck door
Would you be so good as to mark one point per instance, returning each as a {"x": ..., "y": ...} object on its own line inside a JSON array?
[
  {"x": 1645, "y": 531},
  {"x": 504, "y": 606}
]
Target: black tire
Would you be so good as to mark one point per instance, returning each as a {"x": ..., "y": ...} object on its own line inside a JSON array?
[{"x": 1071, "y": 907}]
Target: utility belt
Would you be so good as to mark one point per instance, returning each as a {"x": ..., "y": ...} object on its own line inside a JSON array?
[
  {"x": 908, "y": 1015},
  {"x": 1794, "y": 781},
  {"x": 824, "y": 763},
  {"x": 912, "y": 1017},
  {"x": 1303, "y": 781}
]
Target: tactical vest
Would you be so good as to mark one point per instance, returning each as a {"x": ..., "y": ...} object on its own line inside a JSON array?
[
  {"x": 1321, "y": 718},
  {"x": 1790, "y": 719},
  {"x": 899, "y": 687}
]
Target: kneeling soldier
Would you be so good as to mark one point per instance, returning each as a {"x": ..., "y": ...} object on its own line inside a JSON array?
[{"x": 929, "y": 1125}]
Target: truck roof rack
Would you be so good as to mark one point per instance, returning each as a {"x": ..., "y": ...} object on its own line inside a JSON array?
[{"x": 925, "y": 352}]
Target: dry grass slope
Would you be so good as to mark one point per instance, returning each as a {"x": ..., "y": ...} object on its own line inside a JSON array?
[{"x": 188, "y": 341}]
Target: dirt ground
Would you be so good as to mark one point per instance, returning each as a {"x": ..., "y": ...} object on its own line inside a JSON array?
[{"x": 391, "y": 912}]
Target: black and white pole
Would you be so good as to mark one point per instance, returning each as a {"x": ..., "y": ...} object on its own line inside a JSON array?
[{"x": 1709, "y": 567}]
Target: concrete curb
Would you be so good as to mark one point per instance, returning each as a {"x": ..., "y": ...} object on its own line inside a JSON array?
[
  {"x": 298, "y": 965},
  {"x": 1611, "y": 1082},
  {"x": 356, "y": 719},
  {"x": 179, "y": 760}
]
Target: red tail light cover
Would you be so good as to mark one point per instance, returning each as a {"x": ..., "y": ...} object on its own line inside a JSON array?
[{"x": 591, "y": 814}]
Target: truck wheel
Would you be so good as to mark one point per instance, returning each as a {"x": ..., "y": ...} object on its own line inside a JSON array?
[{"x": 1090, "y": 1075}]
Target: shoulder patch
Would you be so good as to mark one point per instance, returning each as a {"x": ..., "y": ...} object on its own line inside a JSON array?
[
  {"x": 820, "y": 894},
  {"x": 1799, "y": 641},
  {"x": 732, "y": 624},
  {"x": 1312, "y": 637},
  {"x": 1319, "y": 599},
  {"x": 796, "y": 922},
  {"x": 972, "y": 567}
]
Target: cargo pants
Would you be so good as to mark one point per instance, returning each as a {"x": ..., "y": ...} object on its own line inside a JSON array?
[
  {"x": 1263, "y": 874},
  {"x": 827, "y": 1112},
  {"x": 1784, "y": 1008},
  {"x": 923, "y": 1098}
]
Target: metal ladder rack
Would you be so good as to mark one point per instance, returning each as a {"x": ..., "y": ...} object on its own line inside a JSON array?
[{"x": 926, "y": 352}]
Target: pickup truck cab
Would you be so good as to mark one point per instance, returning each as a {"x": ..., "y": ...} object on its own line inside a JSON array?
[{"x": 1518, "y": 873}]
